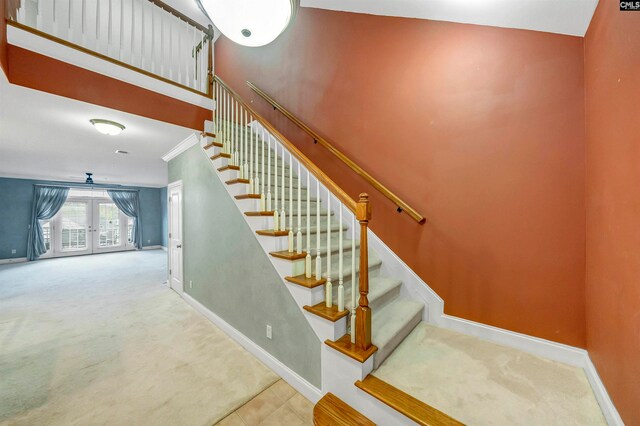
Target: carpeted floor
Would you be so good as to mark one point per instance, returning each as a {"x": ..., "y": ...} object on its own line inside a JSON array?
[
  {"x": 100, "y": 340},
  {"x": 481, "y": 383}
]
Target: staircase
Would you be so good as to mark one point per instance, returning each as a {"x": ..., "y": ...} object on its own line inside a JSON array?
[{"x": 358, "y": 297}]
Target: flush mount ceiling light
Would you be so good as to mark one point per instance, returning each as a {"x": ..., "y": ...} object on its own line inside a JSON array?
[
  {"x": 250, "y": 22},
  {"x": 107, "y": 127}
]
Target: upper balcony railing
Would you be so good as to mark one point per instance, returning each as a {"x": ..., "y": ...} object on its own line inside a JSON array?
[{"x": 146, "y": 36}]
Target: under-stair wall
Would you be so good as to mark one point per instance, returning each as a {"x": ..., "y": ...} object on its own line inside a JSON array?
[{"x": 230, "y": 273}]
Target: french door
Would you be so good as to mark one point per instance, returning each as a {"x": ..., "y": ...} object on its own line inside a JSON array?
[{"x": 85, "y": 226}]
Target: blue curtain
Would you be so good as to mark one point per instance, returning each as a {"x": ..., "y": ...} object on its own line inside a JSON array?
[
  {"x": 129, "y": 203},
  {"x": 47, "y": 201}
]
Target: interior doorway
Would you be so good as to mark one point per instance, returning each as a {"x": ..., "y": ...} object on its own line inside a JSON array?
[{"x": 89, "y": 222}]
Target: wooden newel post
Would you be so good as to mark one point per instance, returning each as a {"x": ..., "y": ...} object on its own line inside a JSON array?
[{"x": 363, "y": 312}]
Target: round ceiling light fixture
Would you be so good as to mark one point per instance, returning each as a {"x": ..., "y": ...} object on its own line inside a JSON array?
[
  {"x": 107, "y": 127},
  {"x": 250, "y": 23}
]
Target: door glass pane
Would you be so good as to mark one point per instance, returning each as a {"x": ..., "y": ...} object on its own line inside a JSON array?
[
  {"x": 74, "y": 225},
  {"x": 46, "y": 233},
  {"x": 109, "y": 225},
  {"x": 130, "y": 230}
]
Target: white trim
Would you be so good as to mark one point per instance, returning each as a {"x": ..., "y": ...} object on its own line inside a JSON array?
[
  {"x": 163, "y": 248},
  {"x": 35, "y": 43},
  {"x": 156, "y": 247},
  {"x": 187, "y": 143},
  {"x": 13, "y": 260},
  {"x": 609, "y": 410},
  {"x": 300, "y": 384}
]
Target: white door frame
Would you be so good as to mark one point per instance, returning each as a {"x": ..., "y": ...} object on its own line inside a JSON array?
[{"x": 170, "y": 187}]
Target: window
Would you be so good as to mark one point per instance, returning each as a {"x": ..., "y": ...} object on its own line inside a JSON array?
[{"x": 74, "y": 225}]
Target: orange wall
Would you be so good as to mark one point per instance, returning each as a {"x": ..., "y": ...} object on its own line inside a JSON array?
[
  {"x": 480, "y": 128},
  {"x": 612, "y": 67},
  {"x": 36, "y": 71}
]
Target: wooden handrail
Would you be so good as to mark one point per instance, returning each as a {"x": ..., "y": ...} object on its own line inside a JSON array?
[
  {"x": 319, "y": 174},
  {"x": 402, "y": 205}
]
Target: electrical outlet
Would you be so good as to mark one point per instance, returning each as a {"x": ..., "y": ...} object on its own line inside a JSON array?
[
  {"x": 13, "y": 251},
  {"x": 269, "y": 335},
  {"x": 190, "y": 284}
]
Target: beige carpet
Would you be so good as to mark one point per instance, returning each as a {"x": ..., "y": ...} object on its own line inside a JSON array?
[
  {"x": 481, "y": 383},
  {"x": 99, "y": 340}
]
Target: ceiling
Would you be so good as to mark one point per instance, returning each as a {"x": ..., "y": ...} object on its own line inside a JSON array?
[
  {"x": 44, "y": 136},
  {"x": 571, "y": 17}
]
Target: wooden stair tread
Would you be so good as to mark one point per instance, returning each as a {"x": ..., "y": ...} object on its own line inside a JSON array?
[
  {"x": 259, "y": 213},
  {"x": 228, "y": 167},
  {"x": 212, "y": 144},
  {"x": 272, "y": 233},
  {"x": 345, "y": 346},
  {"x": 211, "y": 135},
  {"x": 220, "y": 155},
  {"x": 332, "y": 411},
  {"x": 285, "y": 254},
  {"x": 331, "y": 314},
  {"x": 306, "y": 282},
  {"x": 247, "y": 196},
  {"x": 237, "y": 180},
  {"x": 402, "y": 402}
]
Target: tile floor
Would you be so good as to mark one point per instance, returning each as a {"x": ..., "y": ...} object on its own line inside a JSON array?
[{"x": 279, "y": 404}]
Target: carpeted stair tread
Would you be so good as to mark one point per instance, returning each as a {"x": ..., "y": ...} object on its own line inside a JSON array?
[{"x": 391, "y": 323}]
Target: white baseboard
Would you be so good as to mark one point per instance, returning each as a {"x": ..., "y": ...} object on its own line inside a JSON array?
[
  {"x": 609, "y": 410},
  {"x": 294, "y": 379},
  {"x": 157, "y": 247},
  {"x": 13, "y": 260}
]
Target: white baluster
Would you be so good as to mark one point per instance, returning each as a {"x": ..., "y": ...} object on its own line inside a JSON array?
[
  {"x": 236, "y": 153},
  {"x": 83, "y": 26},
  {"x": 354, "y": 282},
  {"x": 250, "y": 162},
  {"x": 110, "y": 30},
  {"x": 121, "y": 38},
  {"x": 242, "y": 144},
  {"x": 97, "y": 26},
  {"x": 283, "y": 214},
  {"x": 251, "y": 157},
  {"x": 299, "y": 234},
  {"x": 256, "y": 178},
  {"x": 70, "y": 12},
  {"x": 340, "y": 261},
  {"x": 162, "y": 49},
  {"x": 269, "y": 174},
  {"x": 170, "y": 53},
  {"x": 55, "y": 21},
  {"x": 291, "y": 238},
  {"x": 328, "y": 286},
  {"x": 246, "y": 155},
  {"x": 194, "y": 61},
  {"x": 263, "y": 201},
  {"x": 307, "y": 259},
  {"x": 143, "y": 61},
  {"x": 318, "y": 222},
  {"x": 153, "y": 44},
  {"x": 276, "y": 214},
  {"x": 133, "y": 31}
]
